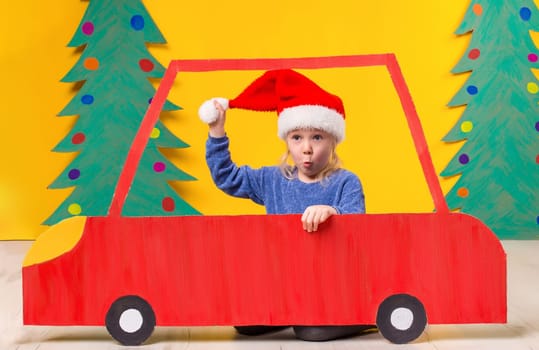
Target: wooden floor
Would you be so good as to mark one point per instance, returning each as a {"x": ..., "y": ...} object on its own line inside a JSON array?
[{"x": 521, "y": 331}]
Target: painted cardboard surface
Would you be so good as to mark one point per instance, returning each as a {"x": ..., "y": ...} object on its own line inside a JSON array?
[
  {"x": 428, "y": 264},
  {"x": 37, "y": 28}
]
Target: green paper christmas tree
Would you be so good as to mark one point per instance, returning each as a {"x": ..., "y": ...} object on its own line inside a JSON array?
[
  {"x": 114, "y": 69},
  {"x": 498, "y": 162}
]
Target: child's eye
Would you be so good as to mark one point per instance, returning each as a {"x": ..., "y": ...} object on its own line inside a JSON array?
[
  {"x": 295, "y": 137},
  {"x": 318, "y": 137}
]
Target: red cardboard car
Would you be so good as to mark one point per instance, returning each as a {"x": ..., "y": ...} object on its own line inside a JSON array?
[{"x": 398, "y": 271}]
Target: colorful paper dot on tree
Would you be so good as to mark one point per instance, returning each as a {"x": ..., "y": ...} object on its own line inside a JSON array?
[
  {"x": 150, "y": 100},
  {"x": 155, "y": 133},
  {"x": 463, "y": 192},
  {"x": 472, "y": 89},
  {"x": 168, "y": 204},
  {"x": 474, "y": 54},
  {"x": 466, "y": 126},
  {"x": 537, "y": 126},
  {"x": 137, "y": 22},
  {"x": 537, "y": 159},
  {"x": 464, "y": 158},
  {"x": 87, "y": 99},
  {"x": 88, "y": 28},
  {"x": 74, "y": 174},
  {"x": 477, "y": 9},
  {"x": 146, "y": 65},
  {"x": 532, "y": 88},
  {"x": 159, "y": 167},
  {"x": 532, "y": 57},
  {"x": 91, "y": 63},
  {"x": 78, "y": 138},
  {"x": 525, "y": 13},
  {"x": 74, "y": 209}
]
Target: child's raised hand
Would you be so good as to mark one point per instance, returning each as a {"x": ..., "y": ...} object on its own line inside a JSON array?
[
  {"x": 213, "y": 112},
  {"x": 217, "y": 127},
  {"x": 315, "y": 215}
]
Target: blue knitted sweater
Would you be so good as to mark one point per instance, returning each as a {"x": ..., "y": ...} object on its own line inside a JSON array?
[{"x": 267, "y": 185}]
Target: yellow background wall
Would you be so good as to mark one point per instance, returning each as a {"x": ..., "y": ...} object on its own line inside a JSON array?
[{"x": 34, "y": 57}]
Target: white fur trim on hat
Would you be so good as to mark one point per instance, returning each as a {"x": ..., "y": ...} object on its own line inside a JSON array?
[
  {"x": 207, "y": 111},
  {"x": 311, "y": 116}
]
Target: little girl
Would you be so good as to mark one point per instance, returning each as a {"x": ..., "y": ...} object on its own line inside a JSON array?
[{"x": 311, "y": 122}]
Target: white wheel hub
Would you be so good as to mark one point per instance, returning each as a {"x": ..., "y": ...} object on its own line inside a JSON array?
[
  {"x": 402, "y": 318},
  {"x": 131, "y": 320}
]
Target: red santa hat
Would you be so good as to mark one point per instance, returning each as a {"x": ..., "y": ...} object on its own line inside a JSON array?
[{"x": 298, "y": 101}]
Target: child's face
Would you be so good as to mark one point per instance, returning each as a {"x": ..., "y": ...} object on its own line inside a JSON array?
[{"x": 310, "y": 150}]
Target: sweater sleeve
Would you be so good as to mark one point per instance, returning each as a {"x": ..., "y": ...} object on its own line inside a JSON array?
[
  {"x": 352, "y": 198},
  {"x": 243, "y": 181}
]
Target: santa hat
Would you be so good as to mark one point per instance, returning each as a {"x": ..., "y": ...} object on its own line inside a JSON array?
[{"x": 298, "y": 101}]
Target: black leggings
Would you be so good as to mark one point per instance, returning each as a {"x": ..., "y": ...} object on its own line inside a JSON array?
[{"x": 309, "y": 333}]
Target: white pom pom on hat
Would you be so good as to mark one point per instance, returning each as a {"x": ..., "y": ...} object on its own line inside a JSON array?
[
  {"x": 298, "y": 101},
  {"x": 207, "y": 111}
]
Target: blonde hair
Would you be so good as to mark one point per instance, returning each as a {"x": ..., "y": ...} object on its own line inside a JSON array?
[{"x": 289, "y": 171}]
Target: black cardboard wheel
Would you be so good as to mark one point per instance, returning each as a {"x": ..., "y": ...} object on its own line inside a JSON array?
[
  {"x": 130, "y": 320},
  {"x": 401, "y": 318}
]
